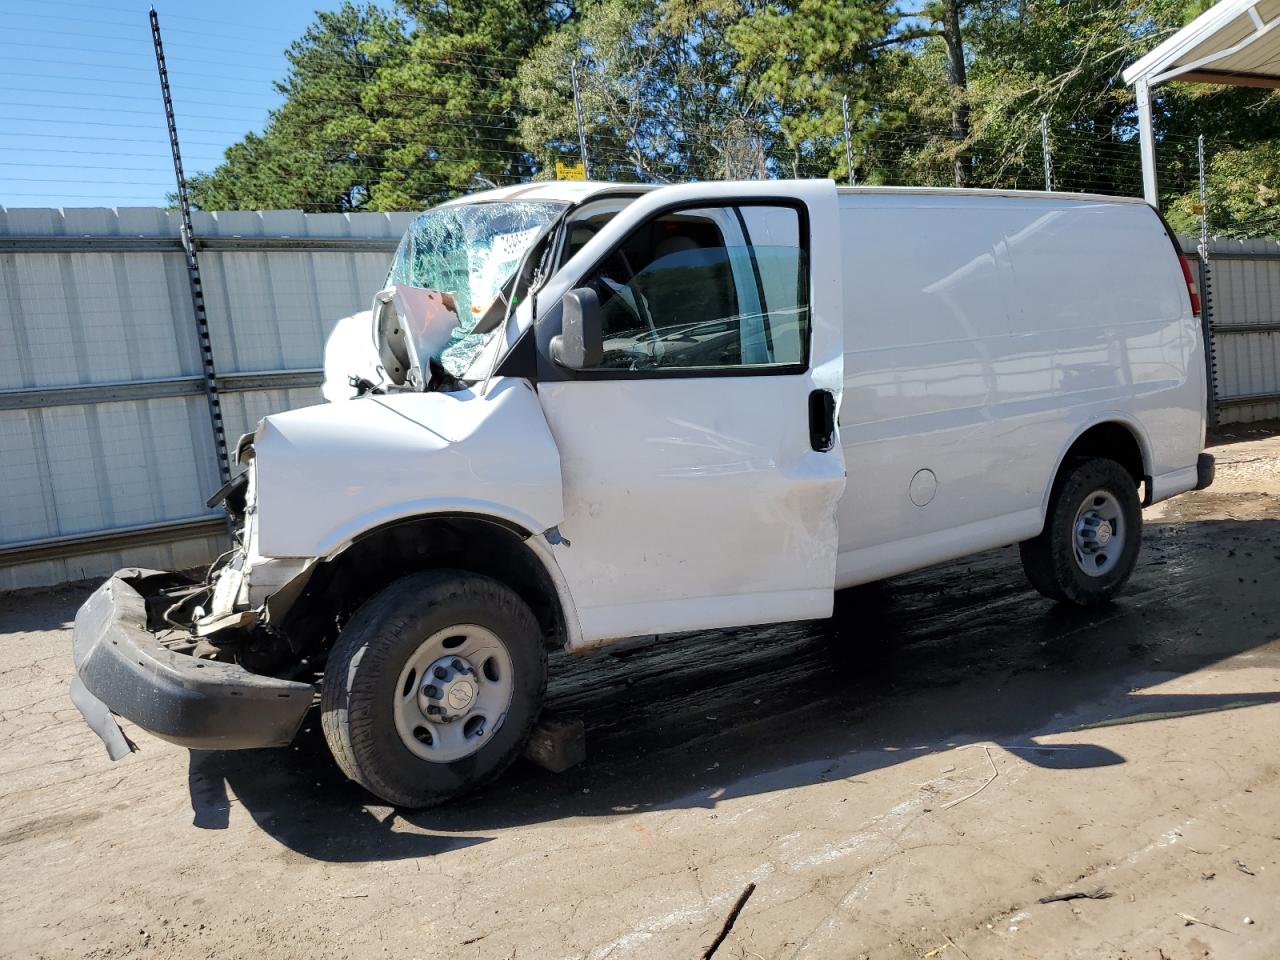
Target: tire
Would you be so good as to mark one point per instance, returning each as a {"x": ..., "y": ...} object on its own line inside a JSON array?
[
  {"x": 1054, "y": 561},
  {"x": 365, "y": 675}
]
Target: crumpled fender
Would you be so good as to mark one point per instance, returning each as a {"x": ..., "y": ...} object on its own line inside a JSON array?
[{"x": 327, "y": 473}]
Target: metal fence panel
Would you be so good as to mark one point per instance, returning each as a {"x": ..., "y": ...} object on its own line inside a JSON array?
[
  {"x": 1246, "y": 321},
  {"x": 80, "y": 318},
  {"x": 274, "y": 311},
  {"x": 82, "y": 468},
  {"x": 1249, "y": 275},
  {"x": 98, "y": 565},
  {"x": 1250, "y": 363},
  {"x": 103, "y": 422}
]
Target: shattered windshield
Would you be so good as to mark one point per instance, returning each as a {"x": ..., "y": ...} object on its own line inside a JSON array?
[{"x": 464, "y": 254}]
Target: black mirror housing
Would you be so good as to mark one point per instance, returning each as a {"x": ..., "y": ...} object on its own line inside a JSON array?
[{"x": 580, "y": 343}]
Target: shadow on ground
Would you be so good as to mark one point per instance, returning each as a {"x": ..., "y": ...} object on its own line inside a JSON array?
[{"x": 959, "y": 654}]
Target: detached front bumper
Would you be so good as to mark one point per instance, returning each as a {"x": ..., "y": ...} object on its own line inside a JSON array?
[{"x": 122, "y": 668}]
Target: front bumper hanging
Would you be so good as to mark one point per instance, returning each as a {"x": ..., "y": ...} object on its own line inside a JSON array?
[{"x": 123, "y": 668}]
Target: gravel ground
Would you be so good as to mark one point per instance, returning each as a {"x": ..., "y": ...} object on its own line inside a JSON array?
[{"x": 909, "y": 783}]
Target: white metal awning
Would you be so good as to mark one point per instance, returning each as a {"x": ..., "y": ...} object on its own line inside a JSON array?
[{"x": 1234, "y": 43}]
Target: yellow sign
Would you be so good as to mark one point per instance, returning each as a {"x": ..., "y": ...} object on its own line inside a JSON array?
[
  {"x": 1197, "y": 209},
  {"x": 570, "y": 171}
]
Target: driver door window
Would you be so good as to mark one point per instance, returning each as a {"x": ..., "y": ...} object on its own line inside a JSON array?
[{"x": 710, "y": 288}]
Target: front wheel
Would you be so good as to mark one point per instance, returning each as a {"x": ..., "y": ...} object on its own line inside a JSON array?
[
  {"x": 1091, "y": 535},
  {"x": 433, "y": 687}
]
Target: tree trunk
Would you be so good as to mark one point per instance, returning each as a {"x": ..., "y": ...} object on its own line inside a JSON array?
[{"x": 959, "y": 84}]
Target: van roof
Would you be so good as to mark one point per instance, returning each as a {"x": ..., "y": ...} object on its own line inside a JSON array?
[
  {"x": 576, "y": 191},
  {"x": 972, "y": 192},
  {"x": 567, "y": 191}
]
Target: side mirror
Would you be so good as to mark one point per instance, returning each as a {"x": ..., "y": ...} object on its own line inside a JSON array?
[{"x": 580, "y": 344}]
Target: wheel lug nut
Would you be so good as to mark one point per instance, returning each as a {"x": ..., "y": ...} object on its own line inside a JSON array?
[
  {"x": 441, "y": 673},
  {"x": 431, "y": 690}
]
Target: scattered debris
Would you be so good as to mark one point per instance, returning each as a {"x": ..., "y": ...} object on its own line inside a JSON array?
[
  {"x": 1096, "y": 894},
  {"x": 467, "y": 943},
  {"x": 730, "y": 920},
  {"x": 1189, "y": 920},
  {"x": 1244, "y": 869},
  {"x": 936, "y": 951},
  {"x": 1247, "y": 921},
  {"x": 995, "y": 772},
  {"x": 557, "y": 743}
]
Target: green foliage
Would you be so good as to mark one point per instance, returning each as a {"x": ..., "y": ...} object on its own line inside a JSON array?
[
  {"x": 445, "y": 113},
  {"x": 663, "y": 93},
  {"x": 311, "y": 154},
  {"x": 807, "y": 55},
  {"x": 393, "y": 110},
  {"x": 1243, "y": 192}
]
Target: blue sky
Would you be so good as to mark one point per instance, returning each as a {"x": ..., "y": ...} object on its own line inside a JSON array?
[{"x": 81, "y": 119}]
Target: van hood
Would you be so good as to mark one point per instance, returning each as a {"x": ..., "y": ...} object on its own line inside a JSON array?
[{"x": 326, "y": 474}]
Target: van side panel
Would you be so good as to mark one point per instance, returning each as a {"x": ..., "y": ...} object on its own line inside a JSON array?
[{"x": 983, "y": 335}]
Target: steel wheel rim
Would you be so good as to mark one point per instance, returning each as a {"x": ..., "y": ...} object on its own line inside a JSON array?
[
  {"x": 453, "y": 693},
  {"x": 1098, "y": 534}
]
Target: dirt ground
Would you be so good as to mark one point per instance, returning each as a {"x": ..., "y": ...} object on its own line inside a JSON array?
[{"x": 906, "y": 785}]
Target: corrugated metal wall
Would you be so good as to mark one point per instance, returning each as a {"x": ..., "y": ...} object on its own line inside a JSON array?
[
  {"x": 103, "y": 421},
  {"x": 104, "y": 428},
  {"x": 1245, "y": 278},
  {"x": 272, "y": 310}
]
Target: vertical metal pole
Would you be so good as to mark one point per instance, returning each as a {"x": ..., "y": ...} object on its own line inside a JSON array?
[
  {"x": 1206, "y": 294},
  {"x": 582, "y": 130},
  {"x": 848, "y": 141},
  {"x": 193, "y": 264},
  {"x": 1204, "y": 202},
  {"x": 1147, "y": 144},
  {"x": 1044, "y": 148}
]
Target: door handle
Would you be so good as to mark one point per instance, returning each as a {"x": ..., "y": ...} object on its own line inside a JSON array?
[{"x": 822, "y": 420}]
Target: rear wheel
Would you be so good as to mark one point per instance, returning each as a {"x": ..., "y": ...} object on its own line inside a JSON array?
[
  {"x": 433, "y": 687},
  {"x": 1091, "y": 535}
]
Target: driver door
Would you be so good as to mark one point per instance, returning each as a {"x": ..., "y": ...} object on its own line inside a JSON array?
[{"x": 700, "y": 457}]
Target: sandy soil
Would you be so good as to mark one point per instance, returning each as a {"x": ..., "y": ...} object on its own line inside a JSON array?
[{"x": 907, "y": 784}]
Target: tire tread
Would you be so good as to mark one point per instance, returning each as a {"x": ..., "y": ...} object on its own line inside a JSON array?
[
  {"x": 1048, "y": 560},
  {"x": 365, "y": 644}
]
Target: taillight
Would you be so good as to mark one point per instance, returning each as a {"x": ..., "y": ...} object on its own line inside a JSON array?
[{"x": 1192, "y": 290}]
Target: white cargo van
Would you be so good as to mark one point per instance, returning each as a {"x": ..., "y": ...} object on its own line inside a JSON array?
[{"x": 588, "y": 412}]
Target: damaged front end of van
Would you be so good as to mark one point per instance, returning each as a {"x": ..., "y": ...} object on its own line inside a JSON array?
[
  {"x": 209, "y": 663},
  {"x": 333, "y": 501}
]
